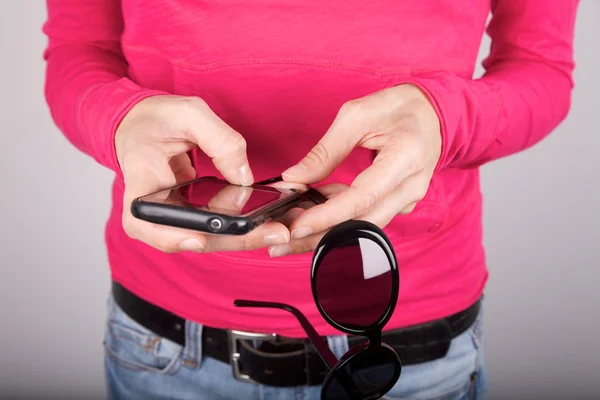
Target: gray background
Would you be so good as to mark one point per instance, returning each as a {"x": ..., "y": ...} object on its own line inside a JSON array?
[{"x": 541, "y": 231}]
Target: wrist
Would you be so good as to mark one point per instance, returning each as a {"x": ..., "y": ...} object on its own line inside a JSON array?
[{"x": 438, "y": 134}]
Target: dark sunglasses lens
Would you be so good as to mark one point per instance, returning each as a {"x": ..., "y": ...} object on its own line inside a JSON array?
[
  {"x": 354, "y": 283},
  {"x": 368, "y": 375}
]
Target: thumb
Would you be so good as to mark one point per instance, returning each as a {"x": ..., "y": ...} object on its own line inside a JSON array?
[{"x": 328, "y": 153}]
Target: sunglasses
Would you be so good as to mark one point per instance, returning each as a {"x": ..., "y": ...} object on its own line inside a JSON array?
[{"x": 355, "y": 285}]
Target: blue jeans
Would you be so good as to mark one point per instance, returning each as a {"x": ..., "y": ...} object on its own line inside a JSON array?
[{"x": 141, "y": 365}]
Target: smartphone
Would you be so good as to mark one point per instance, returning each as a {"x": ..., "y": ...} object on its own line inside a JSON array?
[{"x": 213, "y": 205}]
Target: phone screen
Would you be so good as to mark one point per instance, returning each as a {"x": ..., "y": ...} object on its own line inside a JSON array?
[{"x": 216, "y": 195}]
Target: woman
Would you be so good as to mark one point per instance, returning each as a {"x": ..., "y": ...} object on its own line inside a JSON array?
[{"x": 373, "y": 102}]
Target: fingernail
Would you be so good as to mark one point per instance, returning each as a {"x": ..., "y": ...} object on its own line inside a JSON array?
[
  {"x": 279, "y": 250},
  {"x": 244, "y": 175},
  {"x": 294, "y": 171},
  {"x": 241, "y": 196},
  {"x": 300, "y": 233},
  {"x": 276, "y": 238},
  {"x": 191, "y": 245}
]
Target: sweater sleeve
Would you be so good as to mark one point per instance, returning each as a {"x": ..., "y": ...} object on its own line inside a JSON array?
[
  {"x": 86, "y": 88},
  {"x": 523, "y": 95}
]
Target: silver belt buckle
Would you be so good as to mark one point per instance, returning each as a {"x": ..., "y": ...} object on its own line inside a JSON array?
[{"x": 234, "y": 336}]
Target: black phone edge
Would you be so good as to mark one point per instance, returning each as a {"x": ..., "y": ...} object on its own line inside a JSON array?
[{"x": 198, "y": 220}]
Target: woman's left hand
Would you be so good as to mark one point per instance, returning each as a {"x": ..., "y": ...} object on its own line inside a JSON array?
[{"x": 402, "y": 126}]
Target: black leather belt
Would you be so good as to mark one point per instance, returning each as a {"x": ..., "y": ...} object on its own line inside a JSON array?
[{"x": 278, "y": 361}]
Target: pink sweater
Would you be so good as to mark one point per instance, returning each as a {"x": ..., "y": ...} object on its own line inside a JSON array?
[{"x": 278, "y": 72}]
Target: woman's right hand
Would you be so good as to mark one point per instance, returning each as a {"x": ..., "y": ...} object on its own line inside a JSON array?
[{"x": 152, "y": 144}]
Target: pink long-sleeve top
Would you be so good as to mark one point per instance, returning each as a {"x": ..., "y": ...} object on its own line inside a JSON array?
[{"x": 278, "y": 72}]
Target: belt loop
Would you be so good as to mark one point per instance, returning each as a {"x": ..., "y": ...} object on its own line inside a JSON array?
[
  {"x": 192, "y": 353},
  {"x": 338, "y": 344},
  {"x": 199, "y": 341}
]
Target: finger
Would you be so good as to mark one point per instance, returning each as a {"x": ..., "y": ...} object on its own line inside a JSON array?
[
  {"x": 225, "y": 146},
  {"x": 164, "y": 238},
  {"x": 289, "y": 185},
  {"x": 399, "y": 160},
  {"x": 342, "y": 206},
  {"x": 369, "y": 187},
  {"x": 327, "y": 190},
  {"x": 304, "y": 203},
  {"x": 401, "y": 201},
  {"x": 288, "y": 218},
  {"x": 346, "y": 131},
  {"x": 300, "y": 246},
  {"x": 231, "y": 198},
  {"x": 322, "y": 194},
  {"x": 330, "y": 190},
  {"x": 408, "y": 209},
  {"x": 269, "y": 233}
]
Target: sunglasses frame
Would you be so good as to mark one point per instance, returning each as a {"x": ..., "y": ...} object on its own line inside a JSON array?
[
  {"x": 339, "y": 235},
  {"x": 344, "y": 233},
  {"x": 347, "y": 232},
  {"x": 348, "y": 385}
]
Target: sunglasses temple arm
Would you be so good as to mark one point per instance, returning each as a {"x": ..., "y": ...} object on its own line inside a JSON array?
[
  {"x": 346, "y": 381},
  {"x": 320, "y": 345}
]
